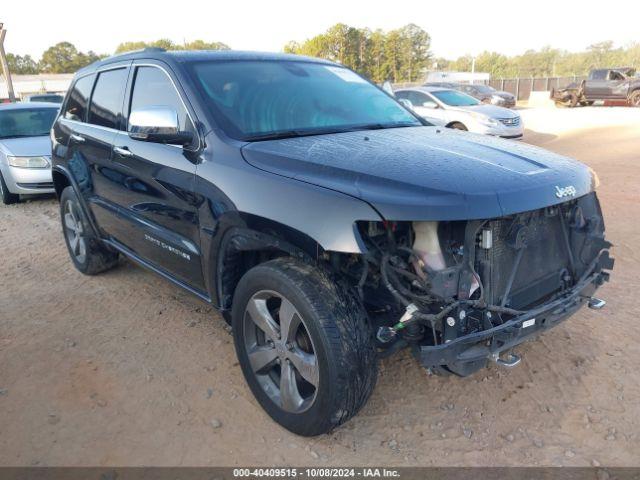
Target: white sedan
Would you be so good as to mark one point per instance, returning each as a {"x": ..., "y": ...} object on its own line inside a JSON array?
[{"x": 454, "y": 109}]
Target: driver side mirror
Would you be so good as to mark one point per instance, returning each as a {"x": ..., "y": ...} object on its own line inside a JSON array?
[
  {"x": 406, "y": 103},
  {"x": 159, "y": 124},
  {"x": 430, "y": 104}
]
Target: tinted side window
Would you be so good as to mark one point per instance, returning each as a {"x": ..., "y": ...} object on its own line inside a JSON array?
[
  {"x": 106, "y": 101},
  {"x": 76, "y": 107},
  {"x": 598, "y": 75},
  {"x": 153, "y": 87}
]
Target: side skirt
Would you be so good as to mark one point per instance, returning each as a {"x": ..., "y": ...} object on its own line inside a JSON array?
[{"x": 143, "y": 263}]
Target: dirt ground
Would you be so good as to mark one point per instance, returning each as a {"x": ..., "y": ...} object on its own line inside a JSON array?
[{"x": 125, "y": 369}]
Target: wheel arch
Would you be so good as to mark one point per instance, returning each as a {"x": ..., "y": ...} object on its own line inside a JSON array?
[
  {"x": 62, "y": 179},
  {"x": 256, "y": 241},
  {"x": 632, "y": 91}
]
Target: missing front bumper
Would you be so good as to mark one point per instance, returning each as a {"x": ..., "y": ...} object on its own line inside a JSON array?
[{"x": 467, "y": 354}]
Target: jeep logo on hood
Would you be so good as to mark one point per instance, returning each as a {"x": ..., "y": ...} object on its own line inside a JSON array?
[{"x": 568, "y": 191}]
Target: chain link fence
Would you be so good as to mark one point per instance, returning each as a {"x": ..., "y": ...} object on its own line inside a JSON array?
[{"x": 521, "y": 88}]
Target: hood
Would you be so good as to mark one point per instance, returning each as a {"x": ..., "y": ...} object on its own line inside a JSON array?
[
  {"x": 27, "y": 146},
  {"x": 493, "y": 111},
  {"x": 505, "y": 95},
  {"x": 482, "y": 96},
  {"x": 426, "y": 173}
]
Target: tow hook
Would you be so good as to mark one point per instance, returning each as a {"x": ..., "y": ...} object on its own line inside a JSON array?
[
  {"x": 510, "y": 360},
  {"x": 596, "y": 303}
]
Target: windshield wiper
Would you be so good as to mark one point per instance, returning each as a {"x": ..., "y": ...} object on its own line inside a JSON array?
[
  {"x": 295, "y": 133},
  {"x": 308, "y": 133},
  {"x": 278, "y": 135}
]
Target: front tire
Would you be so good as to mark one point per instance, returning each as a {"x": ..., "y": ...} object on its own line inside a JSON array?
[
  {"x": 87, "y": 252},
  {"x": 573, "y": 101},
  {"x": 634, "y": 99},
  {"x": 8, "y": 198},
  {"x": 458, "y": 126},
  {"x": 304, "y": 345}
]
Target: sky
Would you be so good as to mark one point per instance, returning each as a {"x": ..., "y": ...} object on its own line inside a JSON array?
[{"x": 456, "y": 27}]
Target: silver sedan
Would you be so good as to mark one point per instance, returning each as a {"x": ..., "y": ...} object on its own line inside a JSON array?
[
  {"x": 451, "y": 108},
  {"x": 25, "y": 149}
]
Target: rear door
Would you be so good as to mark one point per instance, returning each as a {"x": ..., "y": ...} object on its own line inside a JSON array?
[
  {"x": 88, "y": 125},
  {"x": 153, "y": 183}
]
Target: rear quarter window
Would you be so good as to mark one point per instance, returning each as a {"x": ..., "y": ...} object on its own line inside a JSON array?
[{"x": 76, "y": 106}]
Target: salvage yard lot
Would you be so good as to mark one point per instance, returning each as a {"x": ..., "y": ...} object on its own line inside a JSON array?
[{"x": 125, "y": 369}]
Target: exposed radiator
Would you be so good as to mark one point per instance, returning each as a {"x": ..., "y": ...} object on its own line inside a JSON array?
[{"x": 543, "y": 263}]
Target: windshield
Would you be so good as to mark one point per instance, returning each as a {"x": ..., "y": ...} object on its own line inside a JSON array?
[
  {"x": 47, "y": 98},
  {"x": 454, "y": 98},
  {"x": 26, "y": 122},
  {"x": 253, "y": 100},
  {"x": 484, "y": 88}
]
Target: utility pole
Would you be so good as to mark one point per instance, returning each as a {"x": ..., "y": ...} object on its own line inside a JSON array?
[
  {"x": 5, "y": 65},
  {"x": 473, "y": 69}
]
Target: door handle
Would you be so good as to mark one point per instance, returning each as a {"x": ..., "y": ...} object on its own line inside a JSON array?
[
  {"x": 77, "y": 138},
  {"x": 123, "y": 151}
]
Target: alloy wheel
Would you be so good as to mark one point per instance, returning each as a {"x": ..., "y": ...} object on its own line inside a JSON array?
[
  {"x": 74, "y": 232},
  {"x": 280, "y": 351}
]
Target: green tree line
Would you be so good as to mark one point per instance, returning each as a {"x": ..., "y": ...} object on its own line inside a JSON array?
[
  {"x": 547, "y": 62},
  {"x": 398, "y": 55},
  {"x": 64, "y": 57}
]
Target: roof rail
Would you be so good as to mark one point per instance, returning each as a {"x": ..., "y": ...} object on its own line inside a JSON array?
[{"x": 154, "y": 49}]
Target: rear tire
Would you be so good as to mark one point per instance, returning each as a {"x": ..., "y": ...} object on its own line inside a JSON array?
[
  {"x": 289, "y": 317},
  {"x": 8, "y": 198},
  {"x": 634, "y": 98},
  {"x": 89, "y": 255}
]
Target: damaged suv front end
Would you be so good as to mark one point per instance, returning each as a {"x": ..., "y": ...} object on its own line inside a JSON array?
[
  {"x": 465, "y": 292},
  {"x": 478, "y": 249}
]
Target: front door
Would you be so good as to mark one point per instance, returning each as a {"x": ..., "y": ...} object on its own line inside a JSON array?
[
  {"x": 426, "y": 106},
  {"x": 596, "y": 87}
]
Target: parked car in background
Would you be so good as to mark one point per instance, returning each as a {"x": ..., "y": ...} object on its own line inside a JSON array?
[
  {"x": 455, "y": 109},
  {"x": 488, "y": 94},
  {"x": 25, "y": 149},
  {"x": 484, "y": 93},
  {"x": 617, "y": 84},
  {"x": 44, "y": 97}
]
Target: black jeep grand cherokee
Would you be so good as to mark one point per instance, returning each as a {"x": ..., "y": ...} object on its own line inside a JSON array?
[{"x": 328, "y": 224}]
